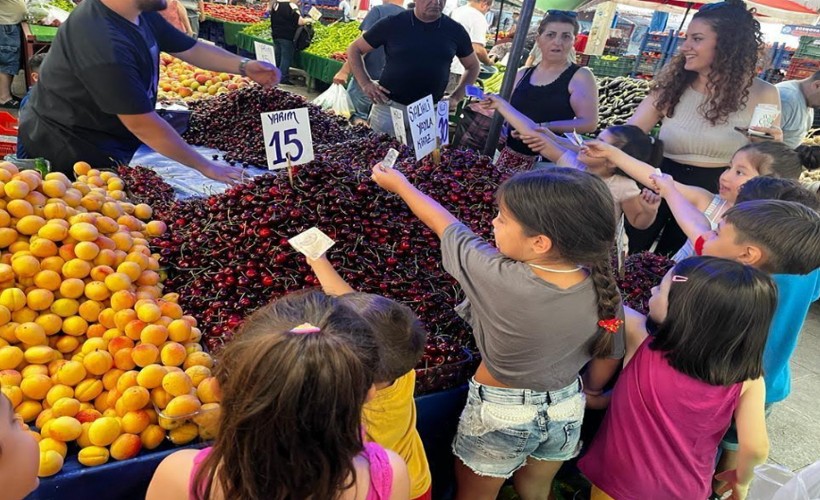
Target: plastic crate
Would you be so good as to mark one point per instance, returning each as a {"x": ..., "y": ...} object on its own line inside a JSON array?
[
  {"x": 800, "y": 68},
  {"x": 7, "y": 148},
  {"x": 8, "y": 124},
  {"x": 809, "y": 48},
  {"x": 611, "y": 65}
]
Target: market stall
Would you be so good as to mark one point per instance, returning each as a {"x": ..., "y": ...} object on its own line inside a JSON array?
[
  {"x": 224, "y": 22},
  {"x": 37, "y": 39}
]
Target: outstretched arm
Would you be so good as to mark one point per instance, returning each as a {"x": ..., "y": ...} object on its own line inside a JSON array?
[
  {"x": 428, "y": 210},
  {"x": 546, "y": 143},
  {"x": 332, "y": 283},
  {"x": 690, "y": 218}
]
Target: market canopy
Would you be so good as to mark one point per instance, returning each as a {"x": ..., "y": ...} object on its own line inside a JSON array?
[
  {"x": 546, "y": 5},
  {"x": 785, "y": 11}
]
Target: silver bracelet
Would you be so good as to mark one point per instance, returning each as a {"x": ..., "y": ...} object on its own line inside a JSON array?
[{"x": 244, "y": 62}]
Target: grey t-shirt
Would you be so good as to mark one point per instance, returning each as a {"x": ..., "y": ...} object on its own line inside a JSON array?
[
  {"x": 531, "y": 333},
  {"x": 797, "y": 117}
]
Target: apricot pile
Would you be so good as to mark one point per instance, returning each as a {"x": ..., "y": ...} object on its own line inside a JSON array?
[{"x": 91, "y": 351}]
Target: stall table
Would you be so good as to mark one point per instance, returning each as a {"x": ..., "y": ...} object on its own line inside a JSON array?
[
  {"x": 36, "y": 40},
  {"x": 221, "y": 32}
]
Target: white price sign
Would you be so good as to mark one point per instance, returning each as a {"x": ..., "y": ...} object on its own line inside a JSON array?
[
  {"x": 398, "y": 125},
  {"x": 287, "y": 135},
  {"x": 422, "y": 117},
  {"x": 443, "y": 112},
  {"x": 264, "y": 52}
]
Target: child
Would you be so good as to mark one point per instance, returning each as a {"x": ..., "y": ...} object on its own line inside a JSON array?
[
  {"x": 294, "y": 382},
  {"x": 639, "y": 207},
  {"x": 772, "y": 188},
  {"x": 390, "y": 417},
  {"x": 35, "y": 63},
  {"x": 755, "y": 159},
  {"x": 678, "y": 391},
  {"x": 541, "y": 304},
  {"x": 19, "y": 455}
]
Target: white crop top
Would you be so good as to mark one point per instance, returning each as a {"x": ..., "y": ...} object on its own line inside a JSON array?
[{"x": 688, "y": 137}]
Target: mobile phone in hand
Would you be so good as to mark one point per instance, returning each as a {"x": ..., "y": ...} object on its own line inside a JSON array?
[{"x": 752, "y": 133}]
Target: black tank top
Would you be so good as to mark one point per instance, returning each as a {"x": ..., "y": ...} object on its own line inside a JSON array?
[{"x": 542, "y": 103}]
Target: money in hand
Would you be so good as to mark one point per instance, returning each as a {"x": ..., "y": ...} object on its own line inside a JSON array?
[
  {"x": 312, "y": 243},
  {"x": 390, "y": 158}
]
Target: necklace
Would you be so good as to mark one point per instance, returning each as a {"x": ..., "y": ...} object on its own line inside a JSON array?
[{"x": 551, "y": 270}]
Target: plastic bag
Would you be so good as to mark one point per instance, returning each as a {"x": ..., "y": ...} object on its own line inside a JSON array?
[
  {"x": 336, "y": 99},
  {"x": 773, "y": 482},
  {"x": 40, "y": 12}
]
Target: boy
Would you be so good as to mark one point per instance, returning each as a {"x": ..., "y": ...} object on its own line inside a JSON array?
[
  {"x": 390, "y": 417},
  {"x": 774, "y": 188},
  {"x": 35, "y": 64},
  {"x": 776, "y": 236}
]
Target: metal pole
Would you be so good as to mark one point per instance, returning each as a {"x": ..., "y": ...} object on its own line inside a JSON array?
[
  {"x": 688, "y": 8},
  {"x": 498, "y": 24},
  {"x": 517, "y": 50}
]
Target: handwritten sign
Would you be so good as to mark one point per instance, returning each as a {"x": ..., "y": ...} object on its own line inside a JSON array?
[
  {"x": 264, "y": 52},
  {"x": 287, "y": 133},
  {"x": 422, "y": 117},
  {"x": 398, "y": 125},
  {"x": 443, "y": 112},
  {"x": 314, "y": 13}
]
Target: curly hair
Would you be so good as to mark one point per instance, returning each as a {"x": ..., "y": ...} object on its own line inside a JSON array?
[{"x": 739, "y": 42}]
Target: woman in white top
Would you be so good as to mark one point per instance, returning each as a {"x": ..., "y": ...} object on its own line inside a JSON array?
[{"x": 700, "y": 97}]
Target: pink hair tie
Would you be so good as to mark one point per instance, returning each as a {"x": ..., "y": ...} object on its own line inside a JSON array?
[{"x": 305, "y": 328}]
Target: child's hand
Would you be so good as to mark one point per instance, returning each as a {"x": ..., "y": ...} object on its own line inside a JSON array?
[
  {"x": 492, "y": 101},
  {"x": 649, "y": 200},
  {"x": 738, "y": 490},
  {"x": 598, "y": 149},
  {"x": 312, "y": 262},
  {"x": 388, "y": 178},
  {"x": 664, "y": 183},
  {"x": 535, "y": 142}
]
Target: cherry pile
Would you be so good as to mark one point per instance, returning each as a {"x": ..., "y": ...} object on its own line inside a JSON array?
[
  {"x": 642, "y": 271},
  {"x": 231, "y": 123},
  {"x": 228, "y": 255},
  {"x": 143, "y": 185}
]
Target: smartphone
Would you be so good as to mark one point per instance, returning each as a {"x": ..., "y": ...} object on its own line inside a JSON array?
[{"x": 752, "y": 133}]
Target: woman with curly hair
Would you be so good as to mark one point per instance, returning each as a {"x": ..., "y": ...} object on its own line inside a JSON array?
[{"x": 699, "y": 98}]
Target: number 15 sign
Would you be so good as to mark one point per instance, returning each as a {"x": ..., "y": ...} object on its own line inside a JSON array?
[{"x": 287, "y": 134}]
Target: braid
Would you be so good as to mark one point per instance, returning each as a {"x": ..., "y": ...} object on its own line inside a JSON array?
[{"x": 606, "y": 289}]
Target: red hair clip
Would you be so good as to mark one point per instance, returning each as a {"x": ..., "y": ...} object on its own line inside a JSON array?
[{"x": 611, "y": 325}]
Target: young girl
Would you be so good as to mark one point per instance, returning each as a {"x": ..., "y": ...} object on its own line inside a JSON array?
[
  {"x": 763, "y": 158},
  {"x": 639, "y": 207},
  {"x": 294, "y": 383},
  {"x": 19, "y": 455},
  {"x": 680, "y": 388},
  {"x": 541, "y": 304}
]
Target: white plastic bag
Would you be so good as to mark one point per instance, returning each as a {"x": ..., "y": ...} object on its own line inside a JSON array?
[
  {"x": 41, "y": 12},
  {"x": 336, "y": 99},
  {"x": 773, "y": 482}
]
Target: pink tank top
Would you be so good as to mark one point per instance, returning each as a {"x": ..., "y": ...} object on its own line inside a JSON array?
[
  {"x": 661, "y": 432},
  {"x": 381, "y": 472}
]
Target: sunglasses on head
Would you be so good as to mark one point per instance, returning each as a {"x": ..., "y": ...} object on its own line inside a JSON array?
[{"x": 567, "y": 13}]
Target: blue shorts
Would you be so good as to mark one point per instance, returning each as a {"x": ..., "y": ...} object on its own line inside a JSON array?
[
  {"x": 730, "y": 441},
  {"x": 10, "y": 48},
  {"x": 501, "y": 428}
]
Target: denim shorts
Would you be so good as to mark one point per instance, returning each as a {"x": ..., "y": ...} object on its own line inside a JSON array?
[
  {"x": 501, "y": 428},
  {"x": 9, "y": 48},
  {"x": 730, "y": 441}
]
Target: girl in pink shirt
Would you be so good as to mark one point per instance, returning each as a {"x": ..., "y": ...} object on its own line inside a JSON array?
[
  {"x": 294, "y": 382},
  {"x": 681, "y": 387}
]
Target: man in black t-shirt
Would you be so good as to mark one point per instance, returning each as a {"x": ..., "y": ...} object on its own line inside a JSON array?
[
  {"x": 96, "y": 99},
  {"x": 419, "y": 46}
]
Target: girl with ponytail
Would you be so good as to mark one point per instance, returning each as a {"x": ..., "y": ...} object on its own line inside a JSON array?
[{"x": 542, "y": 304}]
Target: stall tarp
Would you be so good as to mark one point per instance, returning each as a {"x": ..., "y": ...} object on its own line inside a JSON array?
[
  {"x": 546, "y": 5},
  {"x": 784, "y": 11}
]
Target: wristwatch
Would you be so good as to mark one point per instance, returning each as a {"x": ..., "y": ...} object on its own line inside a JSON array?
[{"x": 244, "y": 62}]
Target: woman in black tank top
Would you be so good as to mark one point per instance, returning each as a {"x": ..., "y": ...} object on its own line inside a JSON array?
[{"x": 555, "y": 91}]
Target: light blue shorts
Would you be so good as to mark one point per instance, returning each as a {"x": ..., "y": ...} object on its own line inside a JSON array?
[{"x": 501, "y": 428}]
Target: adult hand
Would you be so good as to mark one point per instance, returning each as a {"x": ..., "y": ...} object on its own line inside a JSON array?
[
  {"x": 535, "y": 142},
  {"x": 492, "y": 101},
  {"x": 376, "y": 92},
  {"x": 649, "y": 200},
  {"x": 341, "y": 77},
  {"x": 738, "y": 490},
  {"x": 664, "y": 183},
  {"x": 263, "y": 73},
  {"x": 598, "y": 149},
  {"x": 388, "y": 178},
  {"x": 775, "y": 132},
  {"x": 222, "y": 173}
]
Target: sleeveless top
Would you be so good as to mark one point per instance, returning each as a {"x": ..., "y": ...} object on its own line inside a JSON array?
[
  {"x": 713, "y": 213},
  {"x": 688, "y": 137},
  {"x": 381, "y": 472},
  {"x": 171, "y": 14},
  {"x": 661, "y": 432},
  {"x": 542, "y": 103}
]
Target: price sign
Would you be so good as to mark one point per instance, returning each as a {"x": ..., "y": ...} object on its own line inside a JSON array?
[
  {"x": 443, "y": 112},
  {"x": 422, "y": 117},
  {"x": 287, "y": 133},
  {"x": 314, "y": 13},
  {"x": 264, "y": 52},
  {"x": 398, "y": 125}
]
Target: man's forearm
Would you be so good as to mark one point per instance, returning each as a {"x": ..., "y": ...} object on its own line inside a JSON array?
[
  {"x": 482, "y": 54},
  {"x": 210, "y": 57},
  {"x": 468, "y": 78},
  {"x": 355, "y": 63},
  {"x": 157, "y": 134}
]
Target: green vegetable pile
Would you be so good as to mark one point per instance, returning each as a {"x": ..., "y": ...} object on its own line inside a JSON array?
[
  {"x": 334, "y": 38},
  {"x": 66, "y": 5},
  {"x": 258, "y": 30}
]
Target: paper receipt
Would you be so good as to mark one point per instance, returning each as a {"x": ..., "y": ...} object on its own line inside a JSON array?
[
  {"x": 390, "y": 158},
  {"x": 312, "y": 243}
]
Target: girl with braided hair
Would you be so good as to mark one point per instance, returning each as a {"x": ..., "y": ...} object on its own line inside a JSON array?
[{"x": 542, "y": 304}]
